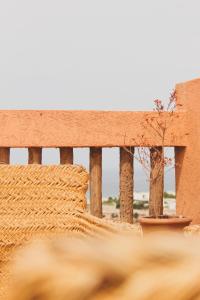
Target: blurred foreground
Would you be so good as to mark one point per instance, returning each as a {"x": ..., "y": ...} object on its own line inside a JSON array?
[{"x": 122, "y": 267}]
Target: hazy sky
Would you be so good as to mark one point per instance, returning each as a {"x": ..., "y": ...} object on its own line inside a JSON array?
[{"x": 92, "y": 54}]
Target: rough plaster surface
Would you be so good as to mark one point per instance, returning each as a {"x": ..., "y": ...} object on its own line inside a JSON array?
[
  {"x": 187, "y": 158},
  {"x": 109, "y": 129},
  {"x": 85, "y": 129}
]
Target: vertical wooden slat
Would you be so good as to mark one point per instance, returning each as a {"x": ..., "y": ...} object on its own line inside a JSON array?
[
  {"x": 4, "y": 155},
  {"x": 34, "y": 155},
  {"x": 96, "y": 182},
  {"x": 180, "y": 154},
  {"x": 66, "y": 155},
  {"x": 156, "y": 182},
  {"x": 126, "y": 185}
]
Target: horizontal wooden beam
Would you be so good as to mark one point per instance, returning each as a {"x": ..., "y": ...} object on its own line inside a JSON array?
[{"x": 88, "y": 129}]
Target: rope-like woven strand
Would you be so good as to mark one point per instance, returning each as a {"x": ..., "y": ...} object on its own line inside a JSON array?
[
  {"x": 41, "y": 201},
  {"x": 154, "y": 268}
]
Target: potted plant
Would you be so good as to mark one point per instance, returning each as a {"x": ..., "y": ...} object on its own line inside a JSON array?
[{"x": 155, "y": 163}]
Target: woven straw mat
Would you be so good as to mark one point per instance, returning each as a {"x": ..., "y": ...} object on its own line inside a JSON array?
[{"x": 37, "y": 200}]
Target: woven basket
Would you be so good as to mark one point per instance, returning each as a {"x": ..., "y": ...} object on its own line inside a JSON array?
[
  {"x": 37, "y": 200},
  {"x": 162, "y": 267},
  {"x": 44, "y": 201}
]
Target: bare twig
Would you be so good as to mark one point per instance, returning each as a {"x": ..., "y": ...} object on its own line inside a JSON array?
[{"x": 159, "y": 127}]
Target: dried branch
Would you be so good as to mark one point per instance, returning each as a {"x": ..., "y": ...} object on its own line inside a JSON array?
[{"x": 159, "y": 127}]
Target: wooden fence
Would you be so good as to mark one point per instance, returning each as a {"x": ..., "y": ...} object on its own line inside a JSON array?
[{"x": 67, "y": 130}]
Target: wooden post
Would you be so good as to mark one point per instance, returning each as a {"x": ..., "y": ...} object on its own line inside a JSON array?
[
  {"x": 4, "y": 155},
  {"x": 35, "y": 155},
  {"x": 126, "y": 185},
  {"x": 66, "y": 155},
  {"x": 156, "y": 182},
  {"x": 96, "y": 182}
]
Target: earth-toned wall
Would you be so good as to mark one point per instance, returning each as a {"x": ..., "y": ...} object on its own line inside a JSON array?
[
  {"x": 116, "y": 129},
  {"x": 85, "y": 129},
  {"x": 188, "y": 158}
]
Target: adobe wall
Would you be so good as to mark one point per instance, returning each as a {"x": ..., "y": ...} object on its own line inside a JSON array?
[
  {"x": 21, "y": 128},
  {"x": 188, "y": 158}
]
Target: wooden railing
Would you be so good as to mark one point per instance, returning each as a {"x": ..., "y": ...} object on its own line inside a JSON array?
[
  {"x": 67, "y": 130},
  {"x": 94, "y": 129}
]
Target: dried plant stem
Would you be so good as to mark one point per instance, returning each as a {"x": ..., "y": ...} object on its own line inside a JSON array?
[{"x": 152, "y": 158}]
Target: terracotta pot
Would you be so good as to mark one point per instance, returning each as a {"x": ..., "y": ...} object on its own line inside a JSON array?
[{"x": 175, "y": 224}]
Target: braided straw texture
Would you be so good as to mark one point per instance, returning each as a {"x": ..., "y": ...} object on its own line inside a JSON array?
[
  {"x": 121, "y": 268},
  {"x": 44, "y": 201}
]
